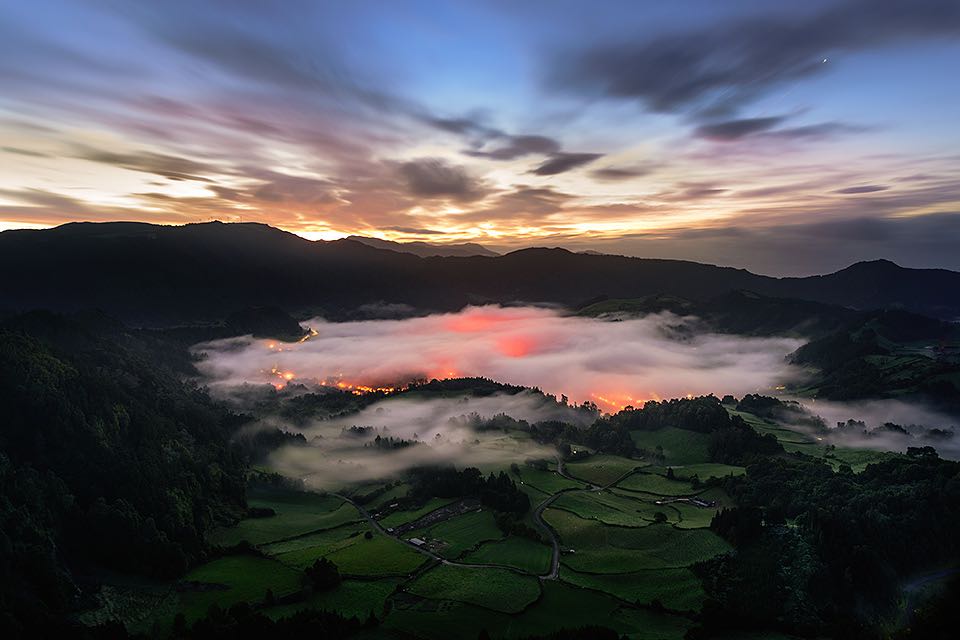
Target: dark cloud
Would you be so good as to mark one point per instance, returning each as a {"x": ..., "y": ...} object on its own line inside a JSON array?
[
  {"x": 736, "y": 129},
  {"x": 613, "y": 174},
  {"x": 720, "y": 69},
  {"x": 433, "y": 177},
  {"x": 866, "y": 188},
  {"x": 817, "y": 131},
  {"x": 517, "y": 146},
  {"x": 563, "y": 162},
  {"x": 416, "y": 231},
  {"x": 526, "y": 203},
  {"x": 282, "y": 187},
  {"x": 170, "y": 167},
  {"x": 803, "y": 249},
  {"x": 732, "y": 130},
  {"x": 464, "y": 126},
  {"x": 703, "y": 191}
]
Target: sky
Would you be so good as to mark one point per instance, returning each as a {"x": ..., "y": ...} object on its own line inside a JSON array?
[{"x": 788, "y": 138}]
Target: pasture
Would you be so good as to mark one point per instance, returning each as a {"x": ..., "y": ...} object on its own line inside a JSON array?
[
  {"x": 560, "y": 606},
  {"x": 514, "y": 551},
  {"x": 679, "y": 446},
  {"x": 297, "y": 513},
  {"x": 678, "y": 589},
  {"x": 352, "y": 598},
  {"x": 656, "y": 485},
  {"x": 602, "y": 469},
  {"x": 497, "y": 589},
  {"x": 231, "y": 579}
]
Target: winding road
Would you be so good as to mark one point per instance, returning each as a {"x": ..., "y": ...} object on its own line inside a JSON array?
[
  {"x": 554, "y": 571},
  {"x": 554, "y": 564}
]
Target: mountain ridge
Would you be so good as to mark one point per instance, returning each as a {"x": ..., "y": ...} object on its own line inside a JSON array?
[{"x": 158, "y": 274}]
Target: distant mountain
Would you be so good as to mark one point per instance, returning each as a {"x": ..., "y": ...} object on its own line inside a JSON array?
[
  {"x": 427, "y": 250},
  {"x": 159, "y": 275}
]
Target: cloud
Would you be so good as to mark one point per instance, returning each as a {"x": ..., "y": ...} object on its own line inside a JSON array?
[
  {"x": 733, "y": 130},
  {"x": 917, "y": 420},
  {"x": 700, "y": 191},
  {"x": 736, "y": 129},
  {"x": 866, "y": 188},
  {"x": 719, "y": 70},
  {"x": 167, "y": 166},
  {"x": 817, "y": 131},
  {"x": 422, "y": 231},
  {"x": 563, "y": 162},
  {"x": 433, "y": 177},
  {"x": 517, "y": 146},
  {"x": 524, "y": 203},
  {"x": 442, "y": 428},
  {"x": 800, "y": 249},
  {"x": 614, "y": 174},
  {"x": 611, "y": 363}
]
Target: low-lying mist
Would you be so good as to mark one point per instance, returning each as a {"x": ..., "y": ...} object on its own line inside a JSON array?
[
  {"x": 438, "y": 430},
  {"x": 920, "y": 425},
  {"x": 610, "y": 363}
]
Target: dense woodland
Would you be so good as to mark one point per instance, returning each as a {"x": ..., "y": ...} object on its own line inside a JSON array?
[
  {"x": 823, "y": 551},
  {"x": 107, "y": 460}
]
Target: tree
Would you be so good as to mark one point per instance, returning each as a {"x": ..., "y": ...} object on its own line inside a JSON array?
[{"x": 323, "y": 574}]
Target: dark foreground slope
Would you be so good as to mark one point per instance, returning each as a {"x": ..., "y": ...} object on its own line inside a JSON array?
[
  {"x": 107, "y": 461},
  {"x": 161, "y": 274}
]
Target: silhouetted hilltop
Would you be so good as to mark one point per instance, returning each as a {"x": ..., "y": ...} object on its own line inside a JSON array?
[
  {"x": 154, "y": 274},
  {"x": 426, "y": 249}
]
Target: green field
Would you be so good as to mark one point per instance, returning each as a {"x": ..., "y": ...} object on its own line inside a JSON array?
[
  {"x": 397, "y": 518},
  {"x": 611, "y": 508},
  {"x": 677, "y": 589},
  {"x": 548, "y": 482},
  {"x": 692, "y": 517},
  {"x": 461, "y": 533},
  {"x": 296, "y": 514},
  {"x": 300, "y": 553},
  {"x": 600, "y": 548},
  {"x": 497, "y": 589},
  {"x": 783, "y": 434},
  {"x": 618, "y": 556},
  {"x": 380, "y": 556},
  {"x": 680, "y": 446},
  {"x": 602, "y": 469},
  {"x": 521, "y": 553},
  {"x": 657, "y": 485},
  {"x": 233, "y": 579},
  {"x": 856, "y": 459},
  {"x": 561, "y": 606},
  {"x": 386, "y": 498},
  {"x": 351, "y": 598}
]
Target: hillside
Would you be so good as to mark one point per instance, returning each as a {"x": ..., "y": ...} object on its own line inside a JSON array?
[
  {"x": 159, "y": 275},
  {"x": 426, "y": 249}
]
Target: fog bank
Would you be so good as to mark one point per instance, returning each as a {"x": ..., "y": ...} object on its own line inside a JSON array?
[
  {"x": 923, "y": 426},
  {"x": 610, "y": 363}
]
